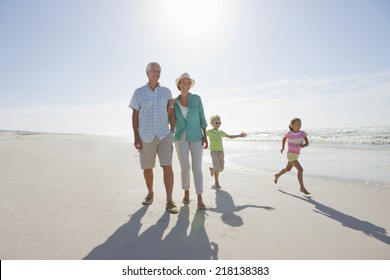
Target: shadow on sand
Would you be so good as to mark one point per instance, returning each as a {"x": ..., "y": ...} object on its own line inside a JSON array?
[
  {"x": 346, "y": 220},
  {"x": 127, "y": 244},
  {"x": 226, "y": 206}
]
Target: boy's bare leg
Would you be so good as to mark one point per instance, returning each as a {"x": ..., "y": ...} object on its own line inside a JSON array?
[
  {"x": 211, "y": 171},
  {"x": 216, "y": 179}
]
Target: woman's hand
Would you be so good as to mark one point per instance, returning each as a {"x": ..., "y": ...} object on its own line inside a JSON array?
[{"x": 205, "y": 143}]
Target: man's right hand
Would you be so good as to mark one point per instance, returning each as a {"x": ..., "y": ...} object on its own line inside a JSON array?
[{"x": 138, "y": 143}]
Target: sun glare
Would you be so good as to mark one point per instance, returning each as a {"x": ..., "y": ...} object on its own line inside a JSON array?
[{"x": 199, "y": 19}]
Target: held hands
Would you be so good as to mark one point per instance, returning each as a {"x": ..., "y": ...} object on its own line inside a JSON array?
[
  {"x": 205, "y": 143},
  {"x": 171, "y": 103},
  {"x": 243, "y": 134}
]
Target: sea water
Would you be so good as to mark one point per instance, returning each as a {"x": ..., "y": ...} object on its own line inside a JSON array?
[{"x": 349, "y": 153}]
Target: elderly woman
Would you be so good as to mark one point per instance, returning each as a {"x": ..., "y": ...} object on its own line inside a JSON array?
[{"x": 190, "y": 137}]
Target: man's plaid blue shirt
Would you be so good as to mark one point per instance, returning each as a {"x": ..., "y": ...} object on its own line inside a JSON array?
[{"x": 153, "y": 115}]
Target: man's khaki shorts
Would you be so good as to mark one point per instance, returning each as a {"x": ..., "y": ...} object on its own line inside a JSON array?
[{"x": 163, "y": 148}]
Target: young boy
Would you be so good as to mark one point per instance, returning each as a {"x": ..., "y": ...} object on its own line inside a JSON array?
[{"x": 216, "y": 147}]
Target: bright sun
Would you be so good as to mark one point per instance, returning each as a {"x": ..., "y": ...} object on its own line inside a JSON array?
[{"x": 199, "y": 19}]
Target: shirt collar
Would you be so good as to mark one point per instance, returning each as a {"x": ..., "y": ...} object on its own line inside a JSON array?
[{"x": 147, "y": 85}]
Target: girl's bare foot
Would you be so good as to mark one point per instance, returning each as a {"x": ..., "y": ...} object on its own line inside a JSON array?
[
  {"x": 304, "y": 191},
  {"x": 211, "y": 171},
  {"x": 276, "y": 178},
  {"x": 217, "y": 185}
]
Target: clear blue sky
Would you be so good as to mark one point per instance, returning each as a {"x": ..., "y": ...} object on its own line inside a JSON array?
[{"x": 72, "y": 65}]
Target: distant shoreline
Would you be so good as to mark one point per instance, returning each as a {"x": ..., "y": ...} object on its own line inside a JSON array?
[{"x": 373, "y": 135}]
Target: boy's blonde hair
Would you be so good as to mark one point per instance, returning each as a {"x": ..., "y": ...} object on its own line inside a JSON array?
[{"x": 213, "y": 118}]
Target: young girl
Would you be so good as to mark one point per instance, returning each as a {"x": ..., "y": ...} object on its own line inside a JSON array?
[
  {"x": 297, "y": 139},
  {"x": 216, "y": 147}
]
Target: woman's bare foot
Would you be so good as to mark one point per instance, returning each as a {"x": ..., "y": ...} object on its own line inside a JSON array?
[
  {"x": 201, "y": 205},
  {"x": 211, "y": 171},
  {"x": 186, "y": 198}
]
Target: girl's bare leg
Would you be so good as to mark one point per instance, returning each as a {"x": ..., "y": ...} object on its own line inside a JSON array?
[
  {"x": 288, "y": 168},
  {"x": 298, "y": 166}
]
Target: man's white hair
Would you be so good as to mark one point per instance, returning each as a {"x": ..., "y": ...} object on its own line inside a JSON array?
[{"x": 149, "y": 66}]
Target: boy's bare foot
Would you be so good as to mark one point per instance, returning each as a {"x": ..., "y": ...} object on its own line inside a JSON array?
[
  {"x": 211, "y": 171},
  {"x": 276, "y": 179},
  {"x": 304, "y": 191},
  {"x": 218, "y": 186}
]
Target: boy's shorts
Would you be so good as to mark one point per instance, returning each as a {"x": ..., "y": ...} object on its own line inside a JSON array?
[
  {"x": 218, "y": 158},
  {"x": 163, "y": 148},
  {"x": 292, "y": 157}
]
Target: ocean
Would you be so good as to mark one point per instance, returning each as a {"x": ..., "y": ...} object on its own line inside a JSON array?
[
  {"x": 361, "y": 154},
  {"x": 379, "y": 135}
]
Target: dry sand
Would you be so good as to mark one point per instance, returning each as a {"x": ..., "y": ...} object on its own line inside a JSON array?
[{"x": 72, "y": 197}]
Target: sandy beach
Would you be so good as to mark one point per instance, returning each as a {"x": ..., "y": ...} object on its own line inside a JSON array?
[{"x": 74, "y": 197}]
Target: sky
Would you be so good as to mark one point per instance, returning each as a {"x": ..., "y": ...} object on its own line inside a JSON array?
[{"x": 72, "y": 66}]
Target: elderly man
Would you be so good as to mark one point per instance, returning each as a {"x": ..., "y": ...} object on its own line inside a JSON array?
[{"x": 152, "y": 108}]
